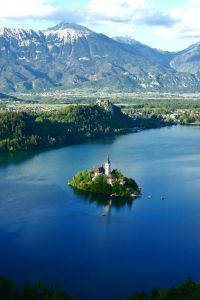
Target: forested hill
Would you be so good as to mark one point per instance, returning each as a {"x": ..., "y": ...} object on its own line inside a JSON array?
[{"x": 24, "y": 131}]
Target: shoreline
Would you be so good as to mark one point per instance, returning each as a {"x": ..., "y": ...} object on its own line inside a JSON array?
[
  {"x": 89, "y": 139},
  {"x": 132, "y": 196}
]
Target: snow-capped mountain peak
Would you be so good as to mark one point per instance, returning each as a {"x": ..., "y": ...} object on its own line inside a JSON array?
[
  {"x": 70, "y": 55},
  {"x": 65, "y": 25},
  {"x": 67, "y": 32}
]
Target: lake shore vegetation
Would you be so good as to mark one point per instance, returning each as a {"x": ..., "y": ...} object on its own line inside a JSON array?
[{"x": 21, "y": 130}]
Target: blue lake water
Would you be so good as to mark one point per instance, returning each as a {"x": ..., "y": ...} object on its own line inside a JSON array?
[{"x": 50, "y": 233}]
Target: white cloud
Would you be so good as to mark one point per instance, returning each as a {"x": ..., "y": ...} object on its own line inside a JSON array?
[
  {"x": 118, "y": 11},
  {"x": 180, "y": 22},
  {"x": 187, "y": 24},
  {"x": 117, "y": 16},
  {"x": 37, "y": 10},
  {"x": 120, "y": 16},
  {"x": 22, "y": 9},
  {"x": 123, "y": 16}
]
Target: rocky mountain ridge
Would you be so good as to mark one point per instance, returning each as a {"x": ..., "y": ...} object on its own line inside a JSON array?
[{"x": 69, "y": 55}]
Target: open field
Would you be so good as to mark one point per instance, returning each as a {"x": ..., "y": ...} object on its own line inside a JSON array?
[
  {"x": 176, "y": 108},
  {"x": 79, "y": 96},
  {"x": 56, "y": 99}
]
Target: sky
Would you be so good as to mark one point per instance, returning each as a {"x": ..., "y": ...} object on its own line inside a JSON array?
[{"x": 164, "y": 24}]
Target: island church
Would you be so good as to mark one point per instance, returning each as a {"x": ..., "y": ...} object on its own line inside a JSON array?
[{"x": 106, "y": 171}]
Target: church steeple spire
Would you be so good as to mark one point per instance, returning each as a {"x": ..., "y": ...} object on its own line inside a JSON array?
[{"x": 107, "y": 166}]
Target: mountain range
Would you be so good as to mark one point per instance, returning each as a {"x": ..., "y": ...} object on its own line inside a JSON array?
[{"x": 69, "y": 55}]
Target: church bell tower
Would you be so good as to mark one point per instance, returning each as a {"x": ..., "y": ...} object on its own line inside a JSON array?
[{"x": 107, "y": 166}]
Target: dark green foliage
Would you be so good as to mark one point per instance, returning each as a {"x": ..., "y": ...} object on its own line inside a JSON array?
[
  {"x": 24, "y": 131},
  {"x": 154, "y": 294},
  {"x": 153, "y": 121},
  {"x": 36, "y": 291},
  {"x": 131, "y": 183},
  {"x": 7, "y": 290},
  {"x": 83, "y": 181},
  {"x": 100, "y": 185},
  {"x": 117, "y": 173},
  {"x": 187, "y": 291}
]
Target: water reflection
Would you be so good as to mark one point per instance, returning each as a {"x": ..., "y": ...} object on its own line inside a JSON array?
[
  {"x": 107, "y": 208},
  {"x": 16, "y": 158},
  {"x": 19, "y": 157},
  {"x": 104, "y": 200}
]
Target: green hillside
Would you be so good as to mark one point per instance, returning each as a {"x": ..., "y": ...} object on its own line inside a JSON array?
[{"x": 24, "y": 131}]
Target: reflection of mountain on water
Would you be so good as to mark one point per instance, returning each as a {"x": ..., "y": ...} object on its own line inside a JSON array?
[
  {"x": 105, "y": 140},
  {"x": 104, "y": 200},
  {"x": 17, "y": 158}
]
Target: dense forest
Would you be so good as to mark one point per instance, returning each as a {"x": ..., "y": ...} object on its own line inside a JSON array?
[
  {"x": 72, "y": 124},
  {"x": 187, "y": 291}
]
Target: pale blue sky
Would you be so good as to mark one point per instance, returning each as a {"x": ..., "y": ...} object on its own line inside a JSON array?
[{"x": 165, "y": 24}]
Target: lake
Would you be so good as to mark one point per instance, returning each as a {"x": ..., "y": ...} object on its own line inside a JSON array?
[{"x": 49, "y": 232}]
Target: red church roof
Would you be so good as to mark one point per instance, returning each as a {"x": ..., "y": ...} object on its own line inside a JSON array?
[{"x": 100, "y": 170}]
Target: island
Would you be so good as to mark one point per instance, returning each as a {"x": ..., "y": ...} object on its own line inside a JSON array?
[{"x": 104, "y": 180}]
